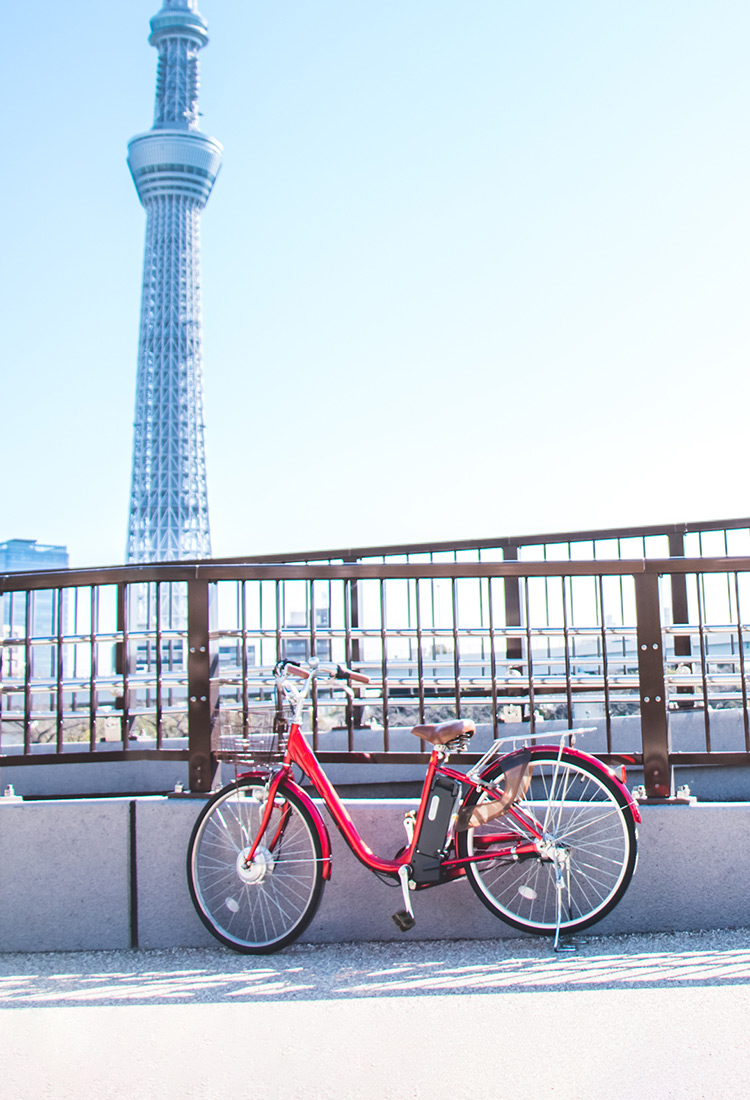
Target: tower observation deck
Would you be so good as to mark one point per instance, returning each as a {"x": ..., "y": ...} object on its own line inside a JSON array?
[{"x": 174, "y": 167}]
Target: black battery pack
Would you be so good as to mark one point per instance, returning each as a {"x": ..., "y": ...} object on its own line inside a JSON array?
[{"x": 430, "y": 851}]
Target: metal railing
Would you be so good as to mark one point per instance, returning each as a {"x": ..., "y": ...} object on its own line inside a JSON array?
[{"x": 116, "y": 664}]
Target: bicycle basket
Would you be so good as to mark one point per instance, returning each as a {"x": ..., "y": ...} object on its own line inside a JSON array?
[{"x": 261, "y": 740}]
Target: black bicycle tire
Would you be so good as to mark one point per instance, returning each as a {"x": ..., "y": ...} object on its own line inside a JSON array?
[
  {"x": 474, "y": 871},
  {"x": 208, "y": 913}
]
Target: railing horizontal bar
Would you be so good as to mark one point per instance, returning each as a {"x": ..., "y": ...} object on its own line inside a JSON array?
[
  {"x": 206, "y": 572},
  {"x": 679, "y": 759},
  {"x": 100, "y": 756},
  {"x": 709, "y": 759},
  {"x": 503, "y": 542}
]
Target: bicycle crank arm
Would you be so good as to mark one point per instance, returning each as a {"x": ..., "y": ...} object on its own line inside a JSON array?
[{"x": 404, "y": 918}]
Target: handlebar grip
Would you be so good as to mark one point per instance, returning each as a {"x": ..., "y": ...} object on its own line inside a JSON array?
[
  {"x": 343, "y": 673},
  {"x": 295, "y": 670}
]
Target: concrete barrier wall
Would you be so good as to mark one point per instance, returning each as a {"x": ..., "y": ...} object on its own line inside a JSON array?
[
  {"x": 110, "y": 873},
  {"x": 64, "y": 875}
]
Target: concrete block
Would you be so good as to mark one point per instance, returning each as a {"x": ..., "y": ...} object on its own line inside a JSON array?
[
  {"x": 692, "y": 872},
  {"x": 64, "y": 875},
  {"x": 166, "y": 915}
]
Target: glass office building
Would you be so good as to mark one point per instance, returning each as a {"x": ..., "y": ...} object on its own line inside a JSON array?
[{"x": 35, "y": 614}]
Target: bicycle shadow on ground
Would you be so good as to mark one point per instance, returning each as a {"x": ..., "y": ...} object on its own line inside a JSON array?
[{"x": 355, "y": 971}]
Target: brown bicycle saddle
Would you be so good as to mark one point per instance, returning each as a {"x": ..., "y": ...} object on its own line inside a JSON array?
[{"x": 444, "y": 732}]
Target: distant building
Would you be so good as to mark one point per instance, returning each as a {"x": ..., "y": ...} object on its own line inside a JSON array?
[
  {"x": 36, "y": 614},
  {"x": 26, "y": 555}
]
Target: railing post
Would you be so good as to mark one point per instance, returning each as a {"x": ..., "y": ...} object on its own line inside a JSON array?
[
  {"x": 513, "y": 646},
  {"x": 657, "y": 773},
  {"x": 203, "y": 695},
  {"x": 511, "y": 585},
  {"x": 122, "y": 659},
  {"x": 354, "y": 709},
  {"x": 680, "y": 611}
]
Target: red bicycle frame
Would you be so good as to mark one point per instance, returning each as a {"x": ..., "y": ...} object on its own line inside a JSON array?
[{"x": 299, "y": 752}]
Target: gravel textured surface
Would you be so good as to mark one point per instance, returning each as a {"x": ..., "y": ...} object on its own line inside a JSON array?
[{"x": 355, "y": 970}]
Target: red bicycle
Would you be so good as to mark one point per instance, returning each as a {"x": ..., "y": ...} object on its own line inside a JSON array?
[{"x": 545, "y": 834}]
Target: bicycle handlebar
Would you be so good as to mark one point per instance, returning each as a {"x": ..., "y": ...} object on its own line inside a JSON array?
[
  {"x": 341, "y": 673},
  {"x": 295, "y": 670}
]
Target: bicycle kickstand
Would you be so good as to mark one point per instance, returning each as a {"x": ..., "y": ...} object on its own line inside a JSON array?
[
  {"x": 558, "y": 905},
  {"x": 404, "y": 919}
]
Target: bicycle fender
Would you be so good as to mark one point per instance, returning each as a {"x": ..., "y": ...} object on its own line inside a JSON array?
[
  {"x": 632, "y": 804},
  {"x": 320, "y": 825}
]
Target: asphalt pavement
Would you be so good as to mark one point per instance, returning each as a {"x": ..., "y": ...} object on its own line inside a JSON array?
[{"x": 663, "y": 1015}]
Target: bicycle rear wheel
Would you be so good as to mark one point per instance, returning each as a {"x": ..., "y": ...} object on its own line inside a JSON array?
[
  {"x": 588, "y": 855},
  {"x": 263, "y": 907}
]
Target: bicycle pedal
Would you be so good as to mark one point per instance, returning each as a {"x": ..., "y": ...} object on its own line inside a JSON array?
[{"x": 403, "y": 920}]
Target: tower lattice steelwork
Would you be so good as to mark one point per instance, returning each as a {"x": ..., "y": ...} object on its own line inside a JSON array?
[{"x": 174, "y": 167}]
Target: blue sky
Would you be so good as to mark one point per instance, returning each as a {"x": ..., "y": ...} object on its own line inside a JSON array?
[{"x": 469, "y": 268}]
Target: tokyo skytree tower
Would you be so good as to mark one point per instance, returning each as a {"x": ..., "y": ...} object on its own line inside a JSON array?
[{"x": 174, "y": 167}]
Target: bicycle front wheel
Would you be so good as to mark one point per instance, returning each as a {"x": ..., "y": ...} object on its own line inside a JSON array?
[
  {"x": 262, "y": 907},
  {"x": 586, "y": 857}
]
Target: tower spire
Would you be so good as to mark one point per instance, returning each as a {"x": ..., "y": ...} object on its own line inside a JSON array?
[{"x": 174, "y": 167}]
